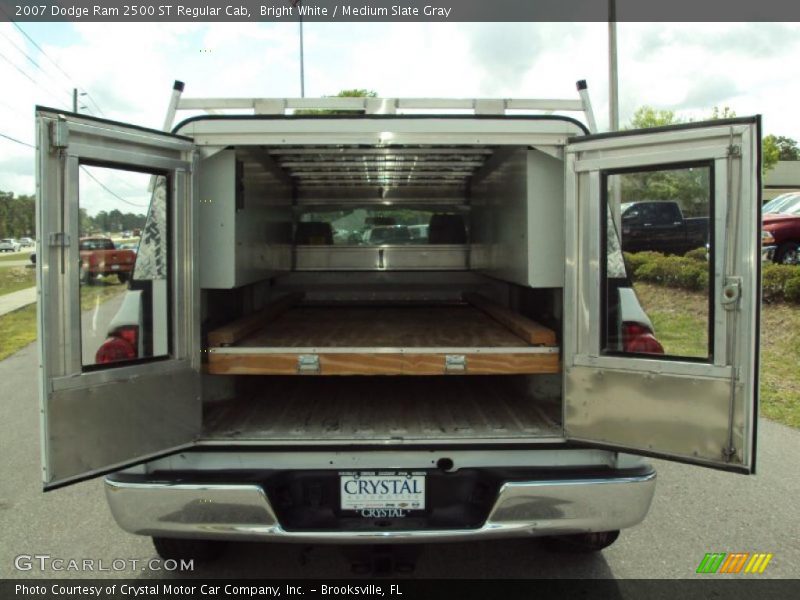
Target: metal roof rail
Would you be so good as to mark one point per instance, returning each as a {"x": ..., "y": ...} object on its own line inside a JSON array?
[
  {"x": 379, "y": 105},
  {"x": 389, "y": 106}
]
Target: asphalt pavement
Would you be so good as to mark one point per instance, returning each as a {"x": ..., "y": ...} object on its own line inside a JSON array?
[{"x": 695, "y": 511}]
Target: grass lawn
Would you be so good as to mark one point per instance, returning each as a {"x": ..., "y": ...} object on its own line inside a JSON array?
[
  {"x": 13, "y": 279},
  {"x": 7, "y": 257},
  {"x": 19, "y": 330},
  {"x": 19, "y": 327},
  {"x": 679, "y": 320}
]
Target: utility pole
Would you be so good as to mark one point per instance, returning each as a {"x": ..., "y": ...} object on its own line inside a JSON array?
[
  {"x": 302, "y": 63},
  {"x": 613, "y": 80},
  {"x": 75, "y": 97},
  {"x": 613, "y": 107}
]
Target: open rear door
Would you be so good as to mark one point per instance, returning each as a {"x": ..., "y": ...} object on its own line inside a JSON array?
[
  {"x": 118, "y": 310},
  {"x": 661, "y": 352}
]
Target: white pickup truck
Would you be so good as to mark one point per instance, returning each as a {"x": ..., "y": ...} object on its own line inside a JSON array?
[{"x": 270, "y": 376}]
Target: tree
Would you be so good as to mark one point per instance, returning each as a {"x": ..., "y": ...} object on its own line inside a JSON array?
[
  {"x": 85, "y": 222},
  {"x": 773, "y": 148},
  {"x": 726, "y": 112},
  {"x": 17, "y": 215},
  {"x": 770, "y": 153},
  {"x": 353, "y": 93},
  {"x": 646, "y": 117},
  {"x": 787, "y": 147},
  {"x": 357, "y": 93},
  {"x": 689, "y": 187}
]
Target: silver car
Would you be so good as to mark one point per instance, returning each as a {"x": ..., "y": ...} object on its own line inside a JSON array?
[{"x": 9, "y": 245}]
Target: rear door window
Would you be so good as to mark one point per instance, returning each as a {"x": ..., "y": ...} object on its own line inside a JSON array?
[
  {"x": 123, "y": 295},
  {"x": 665, "y": 284},
  {"x": 371, "y": 226}
]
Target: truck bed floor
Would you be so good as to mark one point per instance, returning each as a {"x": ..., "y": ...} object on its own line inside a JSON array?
[{"x": 319, "y": 409}]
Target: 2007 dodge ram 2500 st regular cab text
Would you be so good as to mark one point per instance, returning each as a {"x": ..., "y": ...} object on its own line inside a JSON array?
[{"x": 268, "y": 376}]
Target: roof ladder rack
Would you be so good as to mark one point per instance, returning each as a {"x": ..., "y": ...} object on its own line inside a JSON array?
[{"x": 390, "y": 106}]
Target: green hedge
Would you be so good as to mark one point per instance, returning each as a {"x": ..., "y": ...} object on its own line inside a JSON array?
[
  {"x": 697, "y": 254},
  {"x": 780, "y": 282},
  {"x": 690, "y": 272}
]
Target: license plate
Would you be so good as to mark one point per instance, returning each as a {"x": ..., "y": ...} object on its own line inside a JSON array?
[
  {"x": 382, "y": 490},
  {"x": 115, "y": 267}
]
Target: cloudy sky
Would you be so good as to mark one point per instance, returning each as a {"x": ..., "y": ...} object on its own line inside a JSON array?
[{"x": 128, "y": 69}]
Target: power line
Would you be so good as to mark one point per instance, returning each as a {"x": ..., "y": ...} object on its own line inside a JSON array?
[
  {"x": 24, "y": 74},
  {"x": 47, "y": 56},
  {"x": 129, "y": 185},
  {"x": 8, "y": 137},
  {"x": 15, "y": 109},
  {"x": 25, "y": 54},
  {"x": 91, "y": 99},
  {"x": 13, "y": 43},
  {"x": 37, "y": 46},
  {"x": 102, "y": 185}
]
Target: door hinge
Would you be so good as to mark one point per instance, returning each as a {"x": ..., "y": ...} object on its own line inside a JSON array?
[
  {"x": 455, "y": 363},
  {"x": 731, "y": 292},
  {"x": 728, "y": 453},
  {"x": 308, "y": 364},
  {"x": 59, "y": 134},
  {"x": 58, "y": 239},
  {"x": 734, "y": 150}
]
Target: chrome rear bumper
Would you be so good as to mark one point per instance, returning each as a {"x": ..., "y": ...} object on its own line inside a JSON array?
[{"x": 243, "y": 511}]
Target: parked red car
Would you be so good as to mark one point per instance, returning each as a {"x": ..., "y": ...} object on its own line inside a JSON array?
[
  {"x": 99, "y": 256},
  {"x": 780, "y": 230}
]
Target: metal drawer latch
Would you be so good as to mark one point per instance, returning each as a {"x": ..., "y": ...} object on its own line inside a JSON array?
[
  {"x": 455, "y": 363},
  {"x": 308, "y": 364}
]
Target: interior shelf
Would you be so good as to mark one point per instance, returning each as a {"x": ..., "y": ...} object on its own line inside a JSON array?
[{"x": 476, "y": 337}]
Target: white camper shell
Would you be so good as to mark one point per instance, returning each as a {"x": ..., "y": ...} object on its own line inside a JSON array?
[{"x": 473, "y": 363}]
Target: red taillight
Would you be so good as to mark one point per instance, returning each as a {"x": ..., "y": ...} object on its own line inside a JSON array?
[
  {"x": 638, "y": 338},
  {"x": 122, "y": 345},
  {"x": 129, "y": 333}
]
